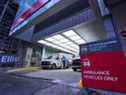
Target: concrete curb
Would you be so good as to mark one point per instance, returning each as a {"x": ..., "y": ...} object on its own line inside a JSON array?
[{"x": 24, "y": 76}]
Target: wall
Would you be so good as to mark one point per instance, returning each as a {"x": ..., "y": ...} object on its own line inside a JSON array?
[
  {"x": 91, "y": 31},
  {"x": 119, "y": 17},
  {"x": 48, "y": 52},
  {"x": 22, "y": 53}
]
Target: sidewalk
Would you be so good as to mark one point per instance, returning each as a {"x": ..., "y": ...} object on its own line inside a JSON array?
[{"x": 24, "y": 70}]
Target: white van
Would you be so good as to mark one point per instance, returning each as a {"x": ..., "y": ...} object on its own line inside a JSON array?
[{"x": 52, "y": 62}]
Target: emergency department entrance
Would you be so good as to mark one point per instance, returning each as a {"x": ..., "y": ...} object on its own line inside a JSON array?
[{"x": 65, "y": 27}]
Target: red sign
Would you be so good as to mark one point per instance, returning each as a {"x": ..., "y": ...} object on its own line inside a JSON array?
[{"x": 104, "y": 66}]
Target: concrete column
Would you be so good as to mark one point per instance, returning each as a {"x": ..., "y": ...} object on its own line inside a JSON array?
[
  {"x": 28, "y": 57},
  {"x": 43, "y": 52}
]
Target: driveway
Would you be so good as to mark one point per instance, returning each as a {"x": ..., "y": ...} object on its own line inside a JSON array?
[{"x": 67, "y": 76}]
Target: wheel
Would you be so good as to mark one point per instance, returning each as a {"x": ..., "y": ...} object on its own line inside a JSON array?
[
  {"x": 74, "y": 69},
  {"x": 67, "y": 66},
  {"x": 53, "y": 66}
]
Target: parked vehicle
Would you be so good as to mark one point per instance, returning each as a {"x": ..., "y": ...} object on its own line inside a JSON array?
[
  {"x": 52, "y": 63},
  {"x": 76, "y": 65}
]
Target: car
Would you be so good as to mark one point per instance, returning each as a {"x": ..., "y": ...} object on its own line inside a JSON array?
[
  {"x": 76, "y": 65},
  {"x": 52, "y": 63}
]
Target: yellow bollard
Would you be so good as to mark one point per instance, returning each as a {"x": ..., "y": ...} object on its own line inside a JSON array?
[{"x": 80, "y": 84}]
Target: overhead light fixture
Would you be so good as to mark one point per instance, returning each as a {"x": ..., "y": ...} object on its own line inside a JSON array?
[
  {"x": 80, "y": 41},
  {"x": 61, "y": 41},
  {"x": 69, "y": 33},
  {"x": 58, "y": 37},
  {"x": 50, "y": 39},
  {"x": 42, "y": 42},
  {"x": 74, "y": 37},
  {"x": 55, "y": 46},
  {"x": 68, "y": 41}
]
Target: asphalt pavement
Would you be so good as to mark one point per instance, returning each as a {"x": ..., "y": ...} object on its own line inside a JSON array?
[
  {"x": 15, "y": 85},
  {"x": 44, "y": 82},
  {"x": 61, "y": 76}
]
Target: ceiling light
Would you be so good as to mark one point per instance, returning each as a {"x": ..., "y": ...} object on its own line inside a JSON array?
[
  {"x": 75, "y": 38},
  {"x": 58, "y": 37},
  {"x": 69, "y": 33},
  {"x": 55, "y": 46},
  {"x": 80, "y": 41}
]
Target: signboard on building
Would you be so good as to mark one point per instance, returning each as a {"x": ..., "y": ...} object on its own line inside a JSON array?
[
  {"x": 5, "y": 59},
  {"x": 103, "y": 66},
  {"x": 28, "y": 8}
]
